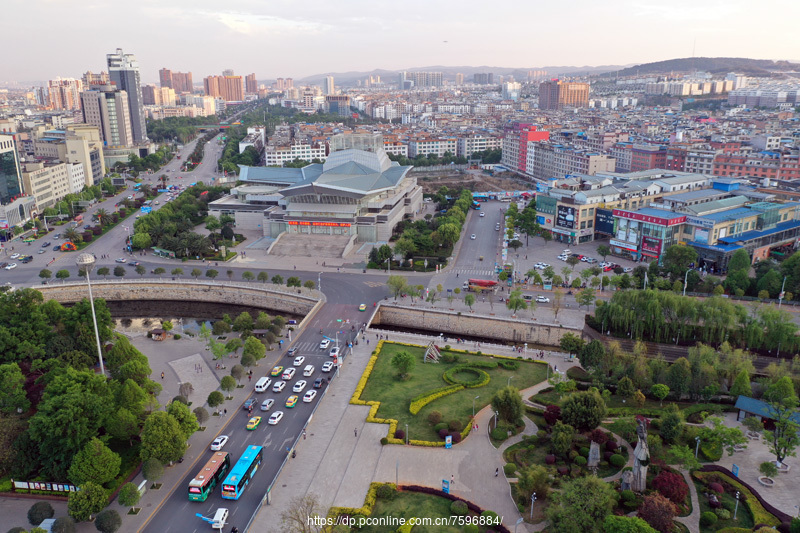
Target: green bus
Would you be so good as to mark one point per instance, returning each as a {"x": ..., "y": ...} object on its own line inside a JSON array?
[{"x": 212, "y": 473}]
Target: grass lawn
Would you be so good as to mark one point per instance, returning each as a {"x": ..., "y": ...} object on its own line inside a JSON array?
[
  {"x": 744, "y": 518},
  {"x": 395, "y": 395},
  {"x": 414, "y": 504}
]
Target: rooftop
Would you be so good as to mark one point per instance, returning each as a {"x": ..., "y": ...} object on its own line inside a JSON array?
[{"x": 732, "y": 214}]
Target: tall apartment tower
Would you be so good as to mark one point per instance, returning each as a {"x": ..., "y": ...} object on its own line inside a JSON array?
[
  {"x": 10, "y": 173},
  {"x": 123, "y": 69},
  {"x": 227, "y": 72},
  {"x": 250, "y": 85},
  {"x": 182, "y": 82},
  {"x": 165, "y": 77},
  {"x": 557, "y": 94},
  {"x": 279, "y": 85},
  {"x": 108, "y": 108},
  {"x": 90, "y": 78},
  {"x": 289, "y": 82},
  {"x": 65, "y": 93},
  {"x": 459, "y": 78},
  {"x": 328, "y": 89}
]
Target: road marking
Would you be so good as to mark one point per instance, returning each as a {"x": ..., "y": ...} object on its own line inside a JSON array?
[{"x": 374, "y": 283}]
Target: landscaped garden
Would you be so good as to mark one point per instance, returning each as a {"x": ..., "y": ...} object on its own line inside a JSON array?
[{"x": 436, "y": 399}]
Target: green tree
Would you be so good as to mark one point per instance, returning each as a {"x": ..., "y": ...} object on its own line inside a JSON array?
[
  {"x": 141, "y": 241},
  {"x": 212, "y": 274},
  {"x": 129, "y": 495},
  {"x": 63, "y": 524},
  {"x": 95, "y": 462},
  {"x": 571, "y": 343},
  {"x": 626, "y": 524},
  {"x": 515, "y": 301},
  {"x": 196, "y": 273},
  {"x": 162, "y": 438},
  {"x": 227, "y": 383},
  {"x": 585, "y": 297},
  {"x": 39, "y": 512},
  {"x": 248, "y": 276},
  {"x": 263, "y": 277},
  {"x": 671, "y": 423},
  {"x": 783, "y": 440},
  {"x": 508, "y": 403},
  {"x": 583, "y": 410},
  {"x": 469, "y": 300},
  {"x": 679, "y": 376},
  {"x": 152, "y": 469},
  {"x": 581, "y": 506},
  {"x": 397, "y": 284},
  {"x": 294, "y": 281},
  {"x": 741, "y": 385},
  {"x": 215, "y": 398},
  {"x": 309, "y": 284},
  {"x": 243, "y": 322},
  {"x": 660, "y": 391},
  {"x": 104, "y": 271},
  {"x": 625, "y": 387},
  {"x": 591, "y": 355},
  {"x": 108, "y": 521},
  {"x": 201, "y": 415},
  {"x": 534, "y": 478},
  {"x": 682, "y": 456},
  {"x": 740, "y": 260},
  {"x": 677, "y": 259},
  {"x": 185, "y": 418},
  {"x": 62, "y": 274},
  {"x": 404, "y": 363},
  {"x": 572, "y": 261},
  {"x": 603, "y": 251},
  {"x": 12, "y": 389},
  {"x": 722, "y": 436},
  {"x": 45, "y": 274},
  {"x": 254, "y": 348},
  {"x": 89, "y": 500},
  {"x": 141, "y": 270},
  {"x": 159, "y": 271},
  {"x": 782, "y": 389},
  {"x": 561, "y": 437}
]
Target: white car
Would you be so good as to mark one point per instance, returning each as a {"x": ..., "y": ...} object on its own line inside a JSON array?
[
  {"x": 298, "y": 360},
  {"x": 11, "y": 266},
  {"x": 288, "y": 374},
  {"x": 299, "y": 386},
  {"x": 275, "y": 418},
  {"x": 473, "y": 237},
  {"x": 327, "y": 366},
  {"x": 309, "y": 396},
  {"x": 482, "y": 215},
  {"x": 279, "y": 386},
  {"x": 540, "y": 266},
  {"x": 14, "y": 256},
  {"x": 309, "y": 370},
  {"x": 266, "y": 404},
  {"x": 627, "y": 269},
  {"x": 566, "y": 252},
  {"x": 543, "y": 299},
  {"x": 324, "y": 344},
  {"x": 219, "y": 442},
  {"x": 563, "y": 257},
  {"x": 334, "y": 352}
]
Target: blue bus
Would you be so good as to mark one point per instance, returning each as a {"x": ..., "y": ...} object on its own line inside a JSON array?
[
  {"x": 476, "y": 205},
  {"x": 241, "y": 473}
]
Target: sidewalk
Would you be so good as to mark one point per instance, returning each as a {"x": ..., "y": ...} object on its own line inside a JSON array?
[{"x": 337, "y": 467}]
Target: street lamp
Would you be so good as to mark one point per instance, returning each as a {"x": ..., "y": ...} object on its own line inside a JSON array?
[
  {"x": 686, "y": 279},
  {"x": 319, "y": 281},
  {"x": 533, "y": 500},
  {"x": 86, "y": 262},
  {"x": 736, "y": 510},
  {"x": 473, "y": 405},
  {"x": 780, "y": 296},
  {"x": 518, "y": 523},
  {"x": 697, "y": 446},
  {"x": 406, "y": 433},
  {"x": 508, "y": 384}
]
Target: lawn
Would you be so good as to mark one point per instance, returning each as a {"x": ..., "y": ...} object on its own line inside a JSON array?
[
  {"x": 395, "y": 394},
  {"x": 744, "y": 518},
  {"x": 414, "y": 504}
]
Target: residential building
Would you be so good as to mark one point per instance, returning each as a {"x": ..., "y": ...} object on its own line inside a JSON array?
[
  {"x": 459, "y": 78},
  {"x": 338, "y": 104},
  {"x": 424, "y": 79},
  {"x": 76, "y": 143},
  {"x": 47, "y": 182},
  {"x": 251, "y": 86},
  {"x": 511, "y": 90},
  {"x": 467, "y": 145},
  {"x": 90, "y": 78},
  {"x": 229, "y": 88},
  {"x": 516, "y": 136},
  {"x": 276, "y": 156},
  {"x": 432, "y": 145},
  {"x": 107, "y": 108},
  {"x": 123, "y": 69},
  {"x": 329, "y": 88},
  {"x": 557, "y": 94},
  {"x": 64, "y": 94}
]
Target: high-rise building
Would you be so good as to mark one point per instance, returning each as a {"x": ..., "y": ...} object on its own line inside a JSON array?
[
  {"x": 165, "y": 77},
  {"x": 182, "y": 82},
  {"x": 557, "y": 94},
  {"x": 227, "y": 72},
  {"x": 250, "y": 85},
  {"x": 151, "y": 95},
  {"x": 10, "y": 174},
  {"x": 64, "y": 94},
  {"x": 123, "y": 70},
  {"x": 211, "y": 86},
  {"x": 229, "y": 88},
  {"x": 107, "y": 107},
  {"x": 459, "y": 78},
  {"x": 289, "y": 83},
  {"x": 329, "y": 88},
  {"x": 90, "y": 78},
  {"x": 279, "y": 85}
]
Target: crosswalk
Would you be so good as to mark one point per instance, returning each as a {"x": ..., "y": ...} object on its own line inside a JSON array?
[
  {"x": 375, "y": 283},
  {"x": 474, "y": 272}
]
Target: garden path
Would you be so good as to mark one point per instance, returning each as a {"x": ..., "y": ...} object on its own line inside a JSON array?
[{"x": 693, "y": 520}]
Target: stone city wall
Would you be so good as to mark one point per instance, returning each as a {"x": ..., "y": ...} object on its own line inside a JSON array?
[
  {"x": 507, "y": 330},
  {"x": 295, "y": 301}
]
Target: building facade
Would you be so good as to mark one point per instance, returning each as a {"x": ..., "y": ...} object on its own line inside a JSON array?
[
  {"x": 557, "y": 94},
  {"x": 107, "y": 108},
  {"x": 123, "y": 69}
]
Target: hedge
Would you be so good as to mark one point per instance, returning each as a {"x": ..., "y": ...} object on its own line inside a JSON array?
[
  {"x": 472, "y": 507},
  {"x": 763, "y": 512},
  {"x": 424, "y": 399},
  {"x": 365, "y": 510},
  {"x": 482, "y": 379}
]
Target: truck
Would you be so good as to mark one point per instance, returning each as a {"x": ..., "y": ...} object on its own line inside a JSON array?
[{"x": 482, "y": 284}]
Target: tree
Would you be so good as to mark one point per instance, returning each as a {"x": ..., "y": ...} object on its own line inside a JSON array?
[
  {"x": 201, "y": 415},
  {"x": 298, "y": 517},
  {"x": 39, "y": 512},
  {"x": 12, "y": 389},
  {"x": 573, "y": 261},
  {"x": 152, "y": 469},
  {"x": 469, "y": 300},
  {"x": 211, "y": 274},
  {"x": 679, "y": 376},
  {"x": 534, "y": 478},
  {"x": 227, "y": 383},
  {"x": 671, "y": 423},
  {"x": 129, "y": 495},
  {"x": 162, "y": 438},
  {"x": 159, "y": 271},
  {"x": 404, "y": 363},
  {"x": 89, "y": 500},
  {"x": 215, "y": 398},
  {"x": 783, "y": 440},
  {"x": 516, "y": 302},
  {"x": 248, "y": 276},
  {"x": 63, "y": 524},
  {"x": 720, "y": 435},
  {"x": 263, "y": 277},
  {"x": 243, "y": 322},
  {"x": 583, "y": 410},
  {"x": 254, "y": 348},
  {"x": 119, "y": 271},
  {"x": 185, "y": 418},
  {"x": 108, "y": 521},
  {"x": 195, "y": 273},
  {"x": 294, "y": 281},
  {"x": 178, "y": 272},
  {"x": 237, "y": 372},
  {"x": 571, "y": 343},
  {"x": 740, "y": 260},
  {"x": 603, "y": 251},
  {"x": 62, "y": 274},
  {"x": 658, "y": 511},
  {"x": 625, "y": 387},
  {"x": 582, "y": 504},
  {"x": 672, "y": 486},
  {"x": 585, "y": 297},
  {"x": 396, "y": 284},
  {"x": 141, "y": 270},
  {"x": 591, "y": 355},
  {"x": 104, "y": 271},
  {"x": 660, "y": 391},
  {"x": 626, "y": 524},
  {"x": 277, "y": 279},
  {"x": 561, "y": 437},
  {"x": 508, "y": 403},
  {"x": 639, "y": 398},
  {"x": 782, "y": 389},
  {"x": 677, "y": 259},
  {"x": 95, "y": 462},
  {"x": 558, "y": 296},
  {"x": 309, "y": 284},
  {"x": 45, "y": 274}
]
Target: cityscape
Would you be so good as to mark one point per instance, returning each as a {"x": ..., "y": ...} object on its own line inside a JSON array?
[{"x": 317, "y": 286}]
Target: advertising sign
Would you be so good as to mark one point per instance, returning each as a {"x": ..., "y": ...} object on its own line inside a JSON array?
[
  {"x": 448, "y": 442},
  {"x": 445, "y": 486},
  {"x": 604, "y": 221},
  {"x": 701, "y": 236},
  {"x": 566, "y": 217},
  {"x": 327, "y": 224},
  {"x": 651, "y": 245},
  {"x": 146, "y": 209},
  {"x": 701, "y": 222},
  {"x": 668, "y": 219}
]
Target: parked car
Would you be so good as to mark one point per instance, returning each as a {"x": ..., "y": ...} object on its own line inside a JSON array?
[{"x": 542, "y": 299}]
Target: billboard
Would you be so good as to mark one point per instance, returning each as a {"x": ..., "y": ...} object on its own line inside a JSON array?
[
  {"x": 604, "y": 221},
  {"x": 627, "y": 230},
  {"x": 651, "y": 245},
  {"x": 701, "y": 236},
  {"x": 566, "y": 217}
]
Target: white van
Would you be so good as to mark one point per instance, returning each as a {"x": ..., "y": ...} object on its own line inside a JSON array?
[
  {"x": 308, "y": 370},
  {"x": 263, "y": 384},
  {"x": 220, "y": 519}
]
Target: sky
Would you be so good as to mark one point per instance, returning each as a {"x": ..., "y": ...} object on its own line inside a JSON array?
[{"x": 283, "y": 38}]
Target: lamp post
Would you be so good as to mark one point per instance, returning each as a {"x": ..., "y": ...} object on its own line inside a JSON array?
[
  {"x": 697, "y": 446},
  {"x": 508, "y": 384},
  {"x": 736, "y": 510},
  {"x": 473, "y": 405},
  {"x": 319, "y": 281},
  {"x": 686, "y": 280},
  {"x": 406, "y": 433},
  {"x": 780, "y": 296},
  {"x": 533, "y": 500},
  {"x": 518, "y": 523},
  {"x": 86, "y": 262}
]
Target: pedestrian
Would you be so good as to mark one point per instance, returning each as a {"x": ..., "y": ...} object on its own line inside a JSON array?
[
  {"x": 367, "y": 342},
  {"x": 496, "y": 472},
  {"x": 249, "y": 378},
  {"x": 162, "y": 375},
  {"x": 225, "y": 411},
  {"x": 304, "y": 434},
  {"x": 355, "y": 432},
  {"x": 376, "y": 336},
  {"x": 452, "y": 480}
]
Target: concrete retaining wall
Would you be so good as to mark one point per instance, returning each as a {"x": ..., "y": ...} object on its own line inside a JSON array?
[
  {"x": 295, "y": 301},
  {"x": 451, "y": 323}
]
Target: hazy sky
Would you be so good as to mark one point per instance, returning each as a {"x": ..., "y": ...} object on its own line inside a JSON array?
[{"x": 48, "y": 38}]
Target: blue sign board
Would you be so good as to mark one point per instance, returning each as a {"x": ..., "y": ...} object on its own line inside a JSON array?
[
  {"x": 163, "y": 190},
  {"x": 735, "y": 470},
  {"x": 448, "y": 442},
  {"x": 146, "y": 209},
  {"x": 445, "y": 486}
]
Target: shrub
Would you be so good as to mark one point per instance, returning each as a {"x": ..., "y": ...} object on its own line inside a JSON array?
[
  {"x": 658, "y": 511},
  {"x": 471, "y": 528},
  {"x": 509, "y": 365},
  {"x": 434, "y": 417},
  {"x": 795, "y": 525},
  {"x": 612, "y": 445},
  {"x": 708, "y": 519},
  {"x": 580, "y": 460},
  {"x": 673, "y": 486},
  {"x": 499, "y": 434},
  {"x": 617, "y": 460},
  {"x": 628, "y": 495},
  {"x": 459, "y": 508},
  {"x": 584, "y": 451},
  {"x": 563, "y": 470},
  {"x": 598, "y": 436},
  {"x": 440, "y": 426},
  {"x": 384, "y": 441},
  {"x": 386, "y": 492},
  {"x": 541, "y": 435},
  {"x": 64, "y": 524},
  {"x": 550, "y": 459},
  {"x": 572, "y": 455},
  {"x": 443, "y": 433},
  {"x": 509, "y": 469},
  {"x": 177, "y": 336},
  {"x": 716, "y": 487},
  {"x": 583, "y": 410},
  {"x": 40, "y": 511},
  {"x": 400, "y": 434},
  {"x": 455, "y": 425},
  {"x": 552, "y": 414},
  {"x": 456, "y": 437},
  {"x": 768, "y": 468},
  {"x": 722, "y": 514}
]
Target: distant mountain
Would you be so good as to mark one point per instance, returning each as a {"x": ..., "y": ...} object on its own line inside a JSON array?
[
  {"x": 714, "y": 65},
  {"x": 449, "y": 72}
]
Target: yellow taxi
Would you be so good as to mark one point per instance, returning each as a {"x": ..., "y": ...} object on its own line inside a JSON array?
[
  {"x": 276, "y": 371},
  {"x": 253, "y": 423},
  {"x": 291, "y": 401}
]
